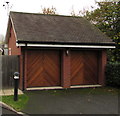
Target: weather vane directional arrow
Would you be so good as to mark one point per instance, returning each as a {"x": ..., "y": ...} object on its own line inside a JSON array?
[{"x": 7, "y": 6}]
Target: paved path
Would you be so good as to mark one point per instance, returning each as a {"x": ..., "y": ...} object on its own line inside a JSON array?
[
  {"x": 8, "y": 91},
  {"x": 74, "y": 101}
]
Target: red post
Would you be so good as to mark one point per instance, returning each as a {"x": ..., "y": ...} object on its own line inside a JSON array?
[
  {"x": 66, "y": 69},
  {"x": 102, "y": 65}
]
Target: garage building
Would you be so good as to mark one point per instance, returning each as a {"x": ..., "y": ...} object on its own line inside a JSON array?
[{"x": 57, "y": 51}]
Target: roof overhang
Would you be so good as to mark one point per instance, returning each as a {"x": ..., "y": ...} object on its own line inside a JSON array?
[{"x": 64, "y": 46}]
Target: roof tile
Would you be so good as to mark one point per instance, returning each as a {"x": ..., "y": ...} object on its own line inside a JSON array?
[{"x": 31, "y": 27}]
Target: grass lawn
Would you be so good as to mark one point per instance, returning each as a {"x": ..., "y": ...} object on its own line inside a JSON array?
[{"x": 17, "y": 105}]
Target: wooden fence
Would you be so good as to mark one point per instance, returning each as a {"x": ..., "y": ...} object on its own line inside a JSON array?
[
  {"x": 8, "y": 65},
  {"x": 0, "y": 72}
]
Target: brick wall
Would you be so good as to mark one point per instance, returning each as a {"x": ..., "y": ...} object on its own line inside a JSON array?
[
  {"x": 102, "y": 65},
  {"x": 12, "y": 48},
  {"x": 66, "y": 69}
]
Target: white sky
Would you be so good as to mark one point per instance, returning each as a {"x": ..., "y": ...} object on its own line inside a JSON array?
[{"x": 64, "y": 7}]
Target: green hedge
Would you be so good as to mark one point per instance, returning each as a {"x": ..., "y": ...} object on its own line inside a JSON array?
[{"x": 113, "y": 74}]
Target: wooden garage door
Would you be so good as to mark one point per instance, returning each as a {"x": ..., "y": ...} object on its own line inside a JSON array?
[
  {"x": 43, "y": 68},
  {"x": 84, "y": 67}
]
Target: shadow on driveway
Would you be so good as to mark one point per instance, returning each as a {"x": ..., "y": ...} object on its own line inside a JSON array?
[
  {"x": 73, "y": 101},
  {"x": 6, "y": 111}
]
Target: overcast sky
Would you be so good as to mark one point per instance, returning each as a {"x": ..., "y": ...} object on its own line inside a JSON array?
[{"x": 64, "y": 7}]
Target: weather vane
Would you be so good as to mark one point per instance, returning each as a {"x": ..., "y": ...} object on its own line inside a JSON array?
[{"x": 7, "y": 6}]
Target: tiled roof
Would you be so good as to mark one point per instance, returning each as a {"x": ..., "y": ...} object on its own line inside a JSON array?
[{"x": 40, "y": 28}]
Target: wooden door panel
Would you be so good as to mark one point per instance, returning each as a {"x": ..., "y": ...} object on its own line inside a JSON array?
[
  {"x": 90, "y": 67},
  {"x": 34, "y": 62},
  {"x": 43, "y": 68},
  {"x": 52, "y": 67},
  {"x": 76, "y": 68},
  {"x": 84, "y": 67}
]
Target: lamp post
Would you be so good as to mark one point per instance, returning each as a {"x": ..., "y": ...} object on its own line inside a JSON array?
[{"x": 16, "y": 83}]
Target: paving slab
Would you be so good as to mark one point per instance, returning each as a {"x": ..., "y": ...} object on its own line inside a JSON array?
[{"x": 5, "y": 92}]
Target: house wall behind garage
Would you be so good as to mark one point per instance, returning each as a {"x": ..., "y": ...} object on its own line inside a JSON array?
[{"x": 12, "y": 48}]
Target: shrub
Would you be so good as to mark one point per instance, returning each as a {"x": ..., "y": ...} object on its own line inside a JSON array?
[{"x": 113, "y": 74}]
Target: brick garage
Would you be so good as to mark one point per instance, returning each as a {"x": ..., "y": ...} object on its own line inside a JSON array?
[{"x": 57, "y": 50}]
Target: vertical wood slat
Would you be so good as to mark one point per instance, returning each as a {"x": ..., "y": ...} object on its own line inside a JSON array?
[{"x": 10, "y": 64}]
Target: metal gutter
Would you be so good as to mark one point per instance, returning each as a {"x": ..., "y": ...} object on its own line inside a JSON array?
[{"x": 64, "y": 46}]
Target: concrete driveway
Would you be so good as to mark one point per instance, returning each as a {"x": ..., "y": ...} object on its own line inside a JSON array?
[{"x": 73, "y": 101}]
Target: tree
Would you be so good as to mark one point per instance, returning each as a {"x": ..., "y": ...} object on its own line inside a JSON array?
[
  {"x": 107, "y": 18},
  {"x": 51, "y": 10}
]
